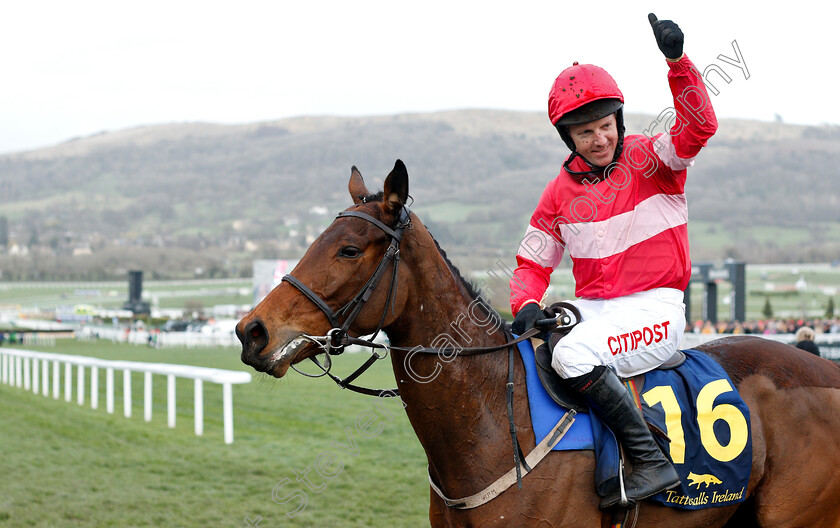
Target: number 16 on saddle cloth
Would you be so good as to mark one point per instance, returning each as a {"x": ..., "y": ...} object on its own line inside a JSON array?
[{"x": 707, "y": 423}]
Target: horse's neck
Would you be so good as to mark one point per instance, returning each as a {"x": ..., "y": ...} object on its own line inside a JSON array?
[
  {"x": 456, "y": 405},
  {"x": 442, "y": 311}
]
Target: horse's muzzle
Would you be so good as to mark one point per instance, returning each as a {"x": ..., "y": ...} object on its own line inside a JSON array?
[
  {"x": 274, "y": 352},
  {"x": 253, "y": 335}
]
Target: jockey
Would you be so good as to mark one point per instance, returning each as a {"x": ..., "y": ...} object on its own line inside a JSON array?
[{"x": 619, "y": 208}]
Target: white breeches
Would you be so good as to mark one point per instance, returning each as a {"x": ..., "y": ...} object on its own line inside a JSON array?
[{"x": 631, "y": 334}]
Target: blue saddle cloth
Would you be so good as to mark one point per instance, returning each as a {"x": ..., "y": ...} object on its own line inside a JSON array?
[{"x": 697, "y": 406}]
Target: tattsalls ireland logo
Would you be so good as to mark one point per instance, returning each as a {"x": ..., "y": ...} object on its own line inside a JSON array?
[{"x": 707, "y": 496}]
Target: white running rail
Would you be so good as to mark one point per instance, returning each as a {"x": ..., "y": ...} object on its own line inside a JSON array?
[{"x": 31, "y": 371}]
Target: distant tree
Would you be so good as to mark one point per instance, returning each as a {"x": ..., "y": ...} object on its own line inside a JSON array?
[
  {"x": 829, "y": 310},
  {"x": 193, "y": 307},
  {"x": 4, "y": 231},
  {"x": 767, "y": 310},
  {"x": 33, "y": 238}
]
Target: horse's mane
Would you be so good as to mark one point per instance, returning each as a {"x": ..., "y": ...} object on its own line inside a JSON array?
[
  {"x": 471, "y": 290},
  {"x": 474, "y": 294}
]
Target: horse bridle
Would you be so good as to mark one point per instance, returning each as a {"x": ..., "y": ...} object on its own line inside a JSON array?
[{"x": 337, "y": 338}]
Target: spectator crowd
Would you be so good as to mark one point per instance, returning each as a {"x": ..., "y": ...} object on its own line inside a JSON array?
[{"x": 766, "y": 326}]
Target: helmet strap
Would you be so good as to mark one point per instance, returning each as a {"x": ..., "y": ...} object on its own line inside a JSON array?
[{"x": 593, "y": 169}]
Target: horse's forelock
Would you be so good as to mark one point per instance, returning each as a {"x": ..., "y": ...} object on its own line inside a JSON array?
[{"x": 378, "y": 197}]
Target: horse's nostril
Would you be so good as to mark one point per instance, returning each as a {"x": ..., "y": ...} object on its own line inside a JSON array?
[{"x": 256, "y": 337}]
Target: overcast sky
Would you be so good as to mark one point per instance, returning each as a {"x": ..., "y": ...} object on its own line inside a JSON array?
[{"x": 75, "y": 68}]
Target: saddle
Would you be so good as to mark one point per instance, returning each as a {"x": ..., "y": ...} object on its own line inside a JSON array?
[
  {"x": 559, "y": 390},
  {"x": 563, "y": 317}
]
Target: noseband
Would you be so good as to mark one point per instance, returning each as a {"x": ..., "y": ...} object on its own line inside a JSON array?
[{"x": 337, "y": 338}]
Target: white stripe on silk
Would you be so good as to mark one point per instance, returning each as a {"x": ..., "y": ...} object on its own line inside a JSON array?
[
  {"x": 540, "y": 247},
  {"x": 612, "y": 236},
  {"x": 664, "y": 148}
]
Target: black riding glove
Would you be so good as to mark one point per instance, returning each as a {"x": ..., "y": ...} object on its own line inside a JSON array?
[
  {"x": 669, "y": 37},
  {"x": 525, "y": 319}
]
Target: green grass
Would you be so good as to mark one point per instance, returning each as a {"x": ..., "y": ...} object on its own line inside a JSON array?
[
  {"x": 18, "y": 208},
  {"x": 113, "y": 294},
  {"x": 709, "y": 234},
  {"x": 705, "y": 234},
  {"x": 821, "y": 284},
  {"x": 66, "y": 465},
  {"x": 206, "y": 302},
  {"x": 188, "y": 286},
  {"x": 781, "y": 236},
  {"x": 451, "y": 212}
]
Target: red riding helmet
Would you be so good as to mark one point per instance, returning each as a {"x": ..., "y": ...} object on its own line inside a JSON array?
[{"x": 583, "y": 93}]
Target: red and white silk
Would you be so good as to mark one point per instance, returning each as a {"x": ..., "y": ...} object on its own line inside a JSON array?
[{"x": 625, "y": 233}]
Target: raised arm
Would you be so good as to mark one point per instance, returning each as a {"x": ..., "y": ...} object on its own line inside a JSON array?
[{"x": 696, "y": 121}]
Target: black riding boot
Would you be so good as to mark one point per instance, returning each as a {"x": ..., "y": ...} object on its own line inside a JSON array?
[{"x": 652, "y": 472}]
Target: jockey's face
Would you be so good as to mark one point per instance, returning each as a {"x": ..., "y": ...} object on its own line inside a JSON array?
[{"x": 596, "y": 140}]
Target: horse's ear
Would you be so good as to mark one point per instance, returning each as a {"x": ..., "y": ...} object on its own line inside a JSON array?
[
  {"x": 357, "y": 186},
  {"x": 396, "y": 187}
]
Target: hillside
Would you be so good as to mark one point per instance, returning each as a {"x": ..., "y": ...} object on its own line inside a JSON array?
[{"x": 173, "y": 198}]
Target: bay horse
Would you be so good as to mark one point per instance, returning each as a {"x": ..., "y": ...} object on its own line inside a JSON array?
[{"x": 457, "y": 404}]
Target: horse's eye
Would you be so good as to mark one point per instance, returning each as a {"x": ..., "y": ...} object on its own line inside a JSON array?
[{"x": 349, "y": 252}]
